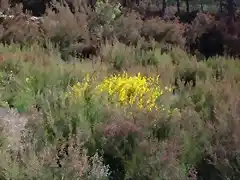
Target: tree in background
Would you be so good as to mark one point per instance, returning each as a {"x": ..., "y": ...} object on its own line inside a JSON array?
[
  {"x": 228, "y": 6},
  {"x": 164, "y": 5},
  {"x": 231, "y": 9},
  {"x": 178, "y": 6},
  {"x": 187, "y": 6}
]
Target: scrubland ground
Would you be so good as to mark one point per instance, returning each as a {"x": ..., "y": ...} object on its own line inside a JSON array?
[{"x": 114, "y": 115}]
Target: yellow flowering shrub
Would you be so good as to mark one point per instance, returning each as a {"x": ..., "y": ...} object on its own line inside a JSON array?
[
  {"x": 133, "y": 90},
  {"x": 138, "y": 91},
  {"x": 78, "y": 89}
]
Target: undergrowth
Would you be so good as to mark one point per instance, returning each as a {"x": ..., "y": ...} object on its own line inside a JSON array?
[
  {"x": 114, "y": 94},
  {"x": 87, "y": 121}
]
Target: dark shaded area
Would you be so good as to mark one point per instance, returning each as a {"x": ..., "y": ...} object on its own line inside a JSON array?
[
  {"x": 207, "y": 171},
  {"x": 186, "y": 17},
  {"x": 188, "y": 78},
  {"x": 36, "y": 7},
  {"x": 116, "y": 165},
  {"x": 210, "y": 43}
]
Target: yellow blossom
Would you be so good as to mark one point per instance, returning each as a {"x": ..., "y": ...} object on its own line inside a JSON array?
[
  {"x": 132, "y": 90},
  {"x": 122, "y": 89}
]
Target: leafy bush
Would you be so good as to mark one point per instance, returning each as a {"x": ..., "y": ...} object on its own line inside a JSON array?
[{"x": 110, "y": 119}]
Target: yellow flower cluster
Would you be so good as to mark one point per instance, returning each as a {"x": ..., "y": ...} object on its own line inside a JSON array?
[
  {"x": 138, "y": 91},
  {"x": 78, "y": 89},
  {"x": 133, "y": 90}
]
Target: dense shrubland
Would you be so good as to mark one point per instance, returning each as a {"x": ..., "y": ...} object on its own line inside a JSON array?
[{"x": 119, "y": 91}]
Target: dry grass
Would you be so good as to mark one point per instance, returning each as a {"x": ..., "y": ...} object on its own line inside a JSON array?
[{"x": 92, "y": 139}]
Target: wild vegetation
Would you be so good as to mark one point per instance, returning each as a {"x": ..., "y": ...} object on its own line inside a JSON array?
[{"x": 119, "y": 90}]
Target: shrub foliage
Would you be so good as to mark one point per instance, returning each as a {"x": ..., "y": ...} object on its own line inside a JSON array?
[{"x": 118, "y": 90}]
